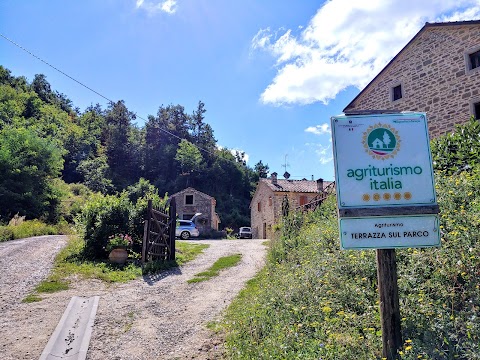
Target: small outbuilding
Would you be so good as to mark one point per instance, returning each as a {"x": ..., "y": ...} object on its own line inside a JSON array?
[{"x": 190, "y": 202}]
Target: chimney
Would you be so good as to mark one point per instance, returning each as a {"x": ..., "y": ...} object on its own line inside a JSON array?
[
  {"x": 274, "y": 178},
  {"x": 320, "y": 185}
]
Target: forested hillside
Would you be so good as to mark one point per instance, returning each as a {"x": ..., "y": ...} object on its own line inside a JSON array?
[{"x": 45, "y": 141}]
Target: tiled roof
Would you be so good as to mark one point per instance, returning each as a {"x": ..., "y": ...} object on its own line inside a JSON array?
[{"x": 283, "y": 185}]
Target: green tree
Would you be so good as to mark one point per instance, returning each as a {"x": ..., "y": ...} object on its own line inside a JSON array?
[
  {"x": 95, "y": 174},
  {"x": 119, "y": 149},
  {"x": 261, "y": 170},
  {"x": 28, "y": 163},
  {"x": 188, "y": 156}
]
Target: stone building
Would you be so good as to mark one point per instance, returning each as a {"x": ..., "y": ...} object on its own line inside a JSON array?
[
  {"x": 437, "y": 72},
  {"x": 190, "y": 202},
  {"x": 266, "y": 205}
]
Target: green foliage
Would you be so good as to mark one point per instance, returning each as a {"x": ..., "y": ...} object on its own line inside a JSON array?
[
  {"x": 95, "y": 174},
  {"x": 74, "y": 198},
  {"x": 314, "y": 300},
  {"x": 224, "y": 262},
  {"x": 27, "y": 164},
  {"x": 30, "y": 228},
  {"x": 105, "y": 215},
  {"x": 101, "y": 217},
  {"x": 188, "y": 156},
  {"x": 459, "y": 150},
  {"x": 104, "y": 150}
]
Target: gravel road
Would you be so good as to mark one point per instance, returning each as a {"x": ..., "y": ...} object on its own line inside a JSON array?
[{"x": 156, "y": 317}]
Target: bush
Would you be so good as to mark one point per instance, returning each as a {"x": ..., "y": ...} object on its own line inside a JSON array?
[
  {"x": 106, "y": 215},
  {"x": 101, "y": 217},
  {"x": 459, "y": 150}
]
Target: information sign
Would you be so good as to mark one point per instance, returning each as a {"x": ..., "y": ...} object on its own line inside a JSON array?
[
  {"x": 379, "y": 232},
  {"x": 382, "y": 160}
]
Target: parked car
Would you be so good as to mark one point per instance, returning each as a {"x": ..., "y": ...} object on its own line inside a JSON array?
[
  {"x": 245, "y": 232},
  {"x": 186, "y": 229}
]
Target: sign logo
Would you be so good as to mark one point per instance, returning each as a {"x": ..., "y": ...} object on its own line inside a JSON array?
[{"x": 381, "y": 141}]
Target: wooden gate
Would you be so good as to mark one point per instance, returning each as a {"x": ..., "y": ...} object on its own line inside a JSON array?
[{"x": 159, "y": 233}]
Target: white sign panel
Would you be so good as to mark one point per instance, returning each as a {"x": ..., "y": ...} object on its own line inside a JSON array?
[
  {"x": 381, "y": 232},
  {"x": 382, "y": 160}
]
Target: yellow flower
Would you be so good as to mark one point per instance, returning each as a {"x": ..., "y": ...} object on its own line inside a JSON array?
[
  {"x": 408, "y": 341},
  {"x": 409, "y": 347}
]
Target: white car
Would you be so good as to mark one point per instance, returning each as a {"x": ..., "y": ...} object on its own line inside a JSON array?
[
  {"x": 186, "y": 229},
  {"x": 245, "y": 232}
]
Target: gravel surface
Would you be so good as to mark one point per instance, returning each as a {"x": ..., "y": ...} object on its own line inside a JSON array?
[{"x": 156, "y": 317}]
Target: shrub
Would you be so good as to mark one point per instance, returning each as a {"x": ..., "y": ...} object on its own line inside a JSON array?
[
  {"x": 6, "y": 233},
  {"x": 101, "y": 217},
  {"x": 106, "y": 215},
  {"x": 459, "y": 150}
]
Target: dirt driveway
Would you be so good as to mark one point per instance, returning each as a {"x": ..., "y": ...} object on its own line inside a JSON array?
[{"x": 157, "y": 317}]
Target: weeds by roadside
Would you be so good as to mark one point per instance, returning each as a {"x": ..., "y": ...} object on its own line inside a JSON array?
[{"x": 315, "y": 301}]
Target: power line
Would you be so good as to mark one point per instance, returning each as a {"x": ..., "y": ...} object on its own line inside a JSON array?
[{"x": 102, "y": 96}]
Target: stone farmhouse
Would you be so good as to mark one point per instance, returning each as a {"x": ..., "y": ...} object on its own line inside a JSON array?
[
  {"x": 191, "y": 201},
  {"x": 437, "y": 72},
  {"x": 266, "y": 205}
]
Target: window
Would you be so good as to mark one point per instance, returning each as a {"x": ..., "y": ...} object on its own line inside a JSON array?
[
  {"x": 188, "y": 199},
  {"x": 270, "y": 201},
  {"x": 259, "y": 207},
  {"x": 303, "y": 200},
  {"x": 476, "y": 110},
  {"x": 396, "y": 92},
  {"x": 474, "y": 60}
]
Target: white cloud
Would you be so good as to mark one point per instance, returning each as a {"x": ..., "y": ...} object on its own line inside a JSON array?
[
  {"x": 323, "y": 152},
  {"x": 319, "y": 129},
  {"x": 154, "y": 6},
  {"x": 346, "y": 44}
]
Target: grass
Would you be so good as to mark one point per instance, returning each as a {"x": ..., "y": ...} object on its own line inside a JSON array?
[
  {"x": 29, "y": 228},
  {"x": 313, "y": 300},
  {"x": 70, "y": 262},
  {"x": 219, "y": 265},
  {"x": 32, "y": 298}
]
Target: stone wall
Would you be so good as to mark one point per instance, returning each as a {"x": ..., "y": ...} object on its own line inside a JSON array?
[
  {"x": 201, "y": 204},
  {"x": 434, "y": 78},
  {"x": 266, "y": 215}
]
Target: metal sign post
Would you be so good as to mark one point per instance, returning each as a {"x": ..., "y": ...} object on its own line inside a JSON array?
[{"x": 386, "y": 197}]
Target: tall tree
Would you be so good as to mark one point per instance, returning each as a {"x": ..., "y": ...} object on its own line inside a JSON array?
[
  {"x": 261, "y": 170},
  {"x": 28, "y": 163},
  {"x": 118, "y": 145}
]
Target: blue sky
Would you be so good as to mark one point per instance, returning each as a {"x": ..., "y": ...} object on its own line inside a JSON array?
[{"x": 270, "y": 72}]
